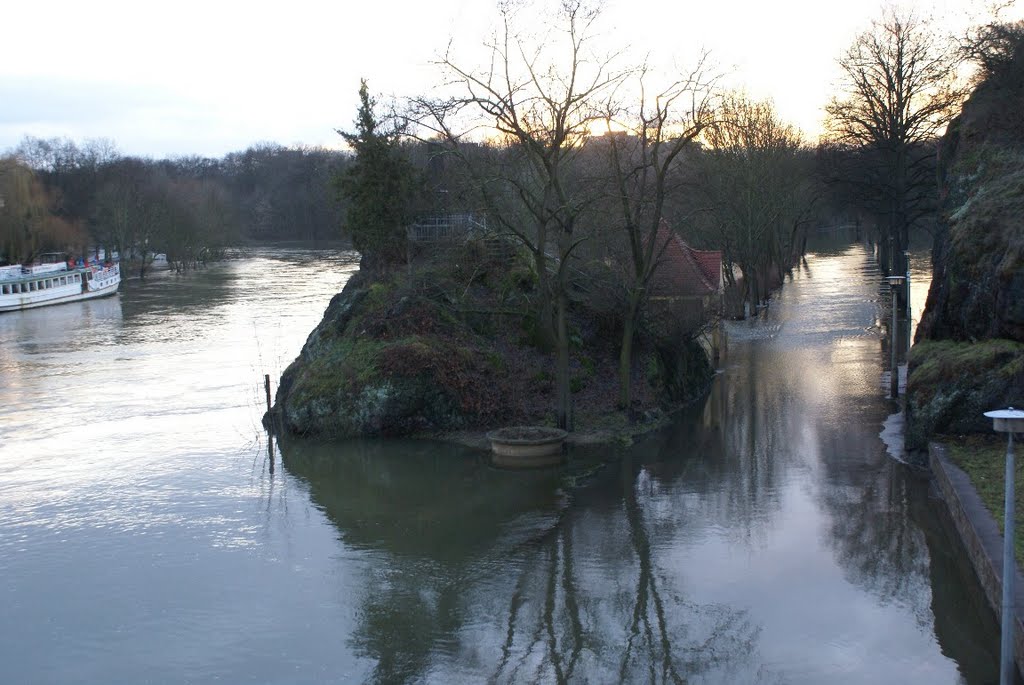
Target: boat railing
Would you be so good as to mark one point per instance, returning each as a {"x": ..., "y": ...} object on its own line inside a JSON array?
[
  {"x": 49, "y": 268},
  {"x": 106, "y": 272},
  {"x": 9, "y": 273}
]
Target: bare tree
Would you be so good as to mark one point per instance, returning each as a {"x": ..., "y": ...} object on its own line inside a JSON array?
[
  {"x": 645, "y": 144},
  {"x": 538, "y": 98},
  {"x": 758, "y": 195},
  {"x": 900, "y": 90}
]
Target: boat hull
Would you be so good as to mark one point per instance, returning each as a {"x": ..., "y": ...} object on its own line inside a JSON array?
[
  {"x": 92, "y": 284},
  {"x": 26, "y": 302}
]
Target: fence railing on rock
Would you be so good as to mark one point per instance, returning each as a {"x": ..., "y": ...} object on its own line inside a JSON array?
[
  {"x": 435, "y": 237},
  {"x": 447, "y": 228}
]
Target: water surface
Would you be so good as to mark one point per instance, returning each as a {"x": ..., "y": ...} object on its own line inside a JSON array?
[{"x": 765, "y": 538}]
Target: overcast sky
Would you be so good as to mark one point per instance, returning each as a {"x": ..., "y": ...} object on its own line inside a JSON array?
[{"x": 215, "y": 76}]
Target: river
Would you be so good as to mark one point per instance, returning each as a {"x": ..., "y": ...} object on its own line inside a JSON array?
[{"x": 767, "y": 537}]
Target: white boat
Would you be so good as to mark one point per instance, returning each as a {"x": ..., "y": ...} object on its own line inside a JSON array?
[{"x": 26, "y": 287}]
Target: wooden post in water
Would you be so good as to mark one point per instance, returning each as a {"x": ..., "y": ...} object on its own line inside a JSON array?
[
  {"x": 270, "y": 450},
  {"x": 266, "y": 386},
  {"x": 270, "y": 431}
]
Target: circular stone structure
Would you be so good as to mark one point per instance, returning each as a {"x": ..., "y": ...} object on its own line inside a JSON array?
[{"x": 527, "y": 446}]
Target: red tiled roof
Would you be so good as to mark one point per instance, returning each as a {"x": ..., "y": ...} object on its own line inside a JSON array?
[{"x": 683, "y": 271}]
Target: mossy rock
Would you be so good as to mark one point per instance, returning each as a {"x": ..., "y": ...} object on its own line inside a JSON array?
[
  {"x": 451, "y": 345},
  {"x": 952, "y": 384},
  {"x": 386, "y": 360}
]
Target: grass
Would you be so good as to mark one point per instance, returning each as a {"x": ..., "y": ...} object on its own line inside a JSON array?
[
  {"x": 983, "y": 458},
  {"x": 942, "y": 361}
]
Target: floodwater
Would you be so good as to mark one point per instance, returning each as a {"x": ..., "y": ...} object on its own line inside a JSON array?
[{"x": 145, "y": 536}]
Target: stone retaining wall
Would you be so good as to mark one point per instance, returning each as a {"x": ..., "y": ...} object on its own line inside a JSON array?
[{"x": 981, "y": 538}]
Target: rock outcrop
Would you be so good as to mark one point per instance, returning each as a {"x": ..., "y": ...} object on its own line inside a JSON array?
[
  {"x": 969, "y": 356},
  {"x": 450, "y": 346}
]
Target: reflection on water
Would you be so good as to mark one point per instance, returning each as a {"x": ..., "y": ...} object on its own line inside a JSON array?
[
  {"x": 516, "y": 576},
  {"x": 765, "y": 538}
]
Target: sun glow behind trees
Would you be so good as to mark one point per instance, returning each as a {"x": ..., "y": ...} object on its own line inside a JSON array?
[{"x": 289, "y": 73}]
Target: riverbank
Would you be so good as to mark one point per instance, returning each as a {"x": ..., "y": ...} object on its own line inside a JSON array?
[
  {"x": 610, "y": 429},
  {"x": 972, "y": 497}
]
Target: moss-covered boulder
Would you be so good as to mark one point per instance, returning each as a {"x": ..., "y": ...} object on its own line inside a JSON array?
[
  {"x": 452, "y": 344},
  {"x": 952, "y": 384},
  {"x": 384, "y": 362}
]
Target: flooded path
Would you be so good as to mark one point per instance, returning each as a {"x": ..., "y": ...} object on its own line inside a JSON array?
[{"x": 766, "y": 538}]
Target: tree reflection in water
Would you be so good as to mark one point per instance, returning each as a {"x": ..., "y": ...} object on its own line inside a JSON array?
[
  {"x": 767, "y": 537},
  {"x": 468, "y": 572}
]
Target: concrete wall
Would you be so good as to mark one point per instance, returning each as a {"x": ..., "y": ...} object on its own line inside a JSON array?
[{"x": 981, "y": 538}]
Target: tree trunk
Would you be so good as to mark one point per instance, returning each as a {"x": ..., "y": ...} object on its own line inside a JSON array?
[
  {"x": 626, "y": 352},
  {"x": 563, "y": 391},
  {"x": 884, "y": 244},
  {"x": 546, "y": 334}
]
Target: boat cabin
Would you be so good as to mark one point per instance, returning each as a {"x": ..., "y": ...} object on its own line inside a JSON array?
[{"x": 38, "y": 284}]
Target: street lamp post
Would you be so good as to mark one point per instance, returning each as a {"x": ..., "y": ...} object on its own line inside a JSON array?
[
  {"x": 910, "y": 317},
  {"x": 1007, "y": 421},
  {"x": 894, "y": 370},
  {"x": 906, "y": 258}
]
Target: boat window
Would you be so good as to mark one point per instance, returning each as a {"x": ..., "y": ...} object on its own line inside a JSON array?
[
  {"x": 6, "y": 290},
  {"x": 77, "y": 278}
]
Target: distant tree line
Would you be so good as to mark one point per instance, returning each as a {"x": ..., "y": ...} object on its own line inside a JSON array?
[{"x": 66, "y": 196}]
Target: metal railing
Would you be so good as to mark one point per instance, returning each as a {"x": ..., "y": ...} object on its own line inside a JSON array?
[{"x": 447, "y": 228}]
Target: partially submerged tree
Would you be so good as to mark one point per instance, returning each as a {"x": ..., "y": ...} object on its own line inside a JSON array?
[
  {"x": 900, "y": 90},
  {"x": 119, "y": 208},
  {"x": 758, "y": 193}
]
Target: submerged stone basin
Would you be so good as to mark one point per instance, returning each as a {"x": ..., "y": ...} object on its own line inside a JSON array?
[{"x": 527, "y": 446}]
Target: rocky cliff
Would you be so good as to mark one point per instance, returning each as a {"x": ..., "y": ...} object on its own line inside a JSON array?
[{"x": 969, "y": 352}]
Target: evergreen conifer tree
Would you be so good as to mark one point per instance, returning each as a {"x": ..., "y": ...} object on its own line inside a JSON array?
[{"x": 380, "y": 186}]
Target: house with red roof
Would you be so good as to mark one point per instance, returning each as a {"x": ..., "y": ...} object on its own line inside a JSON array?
[
  {"x": 684, "y": 273},
  {"x": 689, "y": 286}
]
